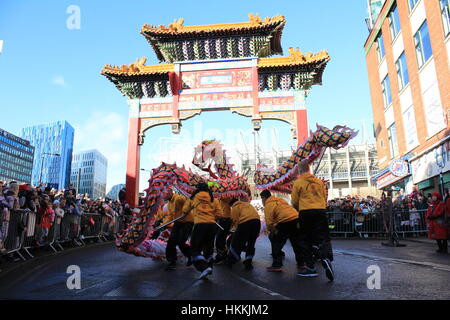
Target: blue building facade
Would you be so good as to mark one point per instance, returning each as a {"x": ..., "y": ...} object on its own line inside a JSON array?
[
  {"x": 89, "y": 173},
  {"x": 53, "y": 143},
  {"x": 113, "y": 193},
  {"x": 16, "y": 158}
]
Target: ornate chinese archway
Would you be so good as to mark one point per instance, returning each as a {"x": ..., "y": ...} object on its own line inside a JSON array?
[{"x": 215, "y": 67}]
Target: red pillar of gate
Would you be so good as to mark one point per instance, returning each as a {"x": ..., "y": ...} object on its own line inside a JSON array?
[
  {"x": 301, "y": 126},
  {"x": 133, "y": 167}
]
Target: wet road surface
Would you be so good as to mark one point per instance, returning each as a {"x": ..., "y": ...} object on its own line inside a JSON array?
[{"x": 413, "y": 272}]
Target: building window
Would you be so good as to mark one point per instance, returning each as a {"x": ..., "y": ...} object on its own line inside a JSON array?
[
  {"x": 402, "y": 71},
  {"x": 392, "y": 137},
  {"x": 445, "y": 12},
  {"x": 394, "y": 22},
  {"x": 412, "y": 4},
  {"x": 380, "y": 47},
  {"x": 423, "y": 44},
  {"x": 387, "y": 95}
]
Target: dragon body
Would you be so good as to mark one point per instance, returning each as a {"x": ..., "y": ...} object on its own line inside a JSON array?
[
  {"x": 281, "y": 179},
  {"x": 224, "y": 182}
]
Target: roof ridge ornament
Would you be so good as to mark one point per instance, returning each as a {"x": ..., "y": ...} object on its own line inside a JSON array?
[
  {"x": 176, "y": 24},
  {"x": 255, "y": 19},
  {"x": 137, "y": 66},
  {"x": 296, "y": 54}
]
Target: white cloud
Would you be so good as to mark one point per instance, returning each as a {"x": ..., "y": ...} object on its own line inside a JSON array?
[
  {"x": 106, "y": 132},
  {"x": 58, "y": 80}
]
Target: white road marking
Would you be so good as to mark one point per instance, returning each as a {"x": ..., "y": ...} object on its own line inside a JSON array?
[
  {"x": 420, "y": 263},
  {"x": 265, "y": 290}
]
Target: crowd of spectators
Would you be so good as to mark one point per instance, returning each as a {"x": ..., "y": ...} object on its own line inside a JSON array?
[
  {"x": 408, "y": 210},
  {"x": 51, "y": 206}
]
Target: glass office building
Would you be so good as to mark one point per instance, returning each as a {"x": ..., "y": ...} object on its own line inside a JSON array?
[
  {"x": 16, "y": 158},
  {"x": 53, "y": 143},
  {"x": 89, "y": 173},
  {"x": 113, "y": 193}
]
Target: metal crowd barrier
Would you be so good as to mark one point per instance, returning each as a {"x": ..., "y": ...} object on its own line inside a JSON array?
[
  {"x": 14, "y": 225},
  {"x": 373, "y": 223},
  {"x": 20, "y": 230},
  {"x": 341, "y": 223}
]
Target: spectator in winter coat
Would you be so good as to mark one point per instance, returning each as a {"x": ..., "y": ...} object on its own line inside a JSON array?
[
  {"x": 47, "y": 217},
  {"x": 437, "y": 228}
]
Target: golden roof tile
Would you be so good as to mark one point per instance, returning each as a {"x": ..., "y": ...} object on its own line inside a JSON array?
[
  {"x": 178, "y": 27},
  {"x": 137, "y": 68},
  {"x": 295, "y": 58}
]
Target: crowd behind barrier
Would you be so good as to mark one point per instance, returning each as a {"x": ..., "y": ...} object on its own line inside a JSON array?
[
  {"x": 370, "y": 217},
  {"x": 38, "y": 217},
  {"x": 406, "y": 223}
]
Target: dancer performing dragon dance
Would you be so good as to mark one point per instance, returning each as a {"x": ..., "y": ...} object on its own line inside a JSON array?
[{"x": 225, "y": 183}]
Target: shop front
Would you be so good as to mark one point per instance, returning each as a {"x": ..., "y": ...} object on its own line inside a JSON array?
[
  {"x": 431, "y": 170},
  {"x": 396, "y": 177}
]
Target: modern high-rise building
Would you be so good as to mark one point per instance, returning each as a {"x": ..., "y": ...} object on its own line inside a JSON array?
[
  {"x": 113, "y": 193},
  {"x": 53, "y": 143},
  {"x": 407, "y": 55},
  {"x": 16, "y": 158},
  {"x": 89, "y": 173}
]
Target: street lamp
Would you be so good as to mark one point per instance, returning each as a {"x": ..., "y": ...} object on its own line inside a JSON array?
[
  {"x": 42, "y": 163},
  {"x": 142, "y": 169},
  {"x": 440, "y": 162}
]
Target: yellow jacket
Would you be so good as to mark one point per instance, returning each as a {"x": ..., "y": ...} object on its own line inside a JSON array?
[
  {"x": 277, "y": 210},
  {"x": 242, "y": 212},
  {"x": 176, "y": 204},
  {"x": 163, "y": 216},
  {"x": 203, "y": 210},
  {"x": 308, "y": 193},
  {"x": 226, "y": 209},
  {"x": 159, "y": 215}
]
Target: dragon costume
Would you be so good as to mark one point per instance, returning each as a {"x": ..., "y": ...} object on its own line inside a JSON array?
[
  {"x": 281, "y": 179},
  {"x": 224, "y": 183}
]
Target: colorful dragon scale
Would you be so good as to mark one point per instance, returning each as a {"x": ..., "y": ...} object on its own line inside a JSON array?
[
  {"x": 280, "y": 180},
  {"x": 229, "y": 184}
]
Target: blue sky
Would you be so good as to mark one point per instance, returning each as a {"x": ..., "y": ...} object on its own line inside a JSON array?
[{"x": 49, "y": 72}]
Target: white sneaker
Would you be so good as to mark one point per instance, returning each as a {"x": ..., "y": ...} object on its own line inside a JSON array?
[{"x": 205, "y": 273}]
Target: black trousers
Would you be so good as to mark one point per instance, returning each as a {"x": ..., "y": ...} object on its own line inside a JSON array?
[
  {"x": 178, "y": 237},
  {"x": 443, "y": 245},
  {"x": 284, "y": 231},
  {"x": 244, "y": 239},
  {"x": 202, "y": 244},
  {"x": 221, "y": 236},
  {"x": 314, "y": 231}
]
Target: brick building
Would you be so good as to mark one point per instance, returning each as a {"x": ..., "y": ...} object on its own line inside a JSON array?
[{"x": 407, "y": 56}]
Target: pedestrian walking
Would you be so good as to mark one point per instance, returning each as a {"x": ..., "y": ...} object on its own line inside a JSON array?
[
  {"x": 283, "y": 224},
  {"x": 205, "y": 211},
  {"x": 309, "y": 198},
  {"x": 246, "y": 225}
]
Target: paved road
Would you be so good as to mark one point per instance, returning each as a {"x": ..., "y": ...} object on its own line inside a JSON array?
[{"x": 414, "y": 272}]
